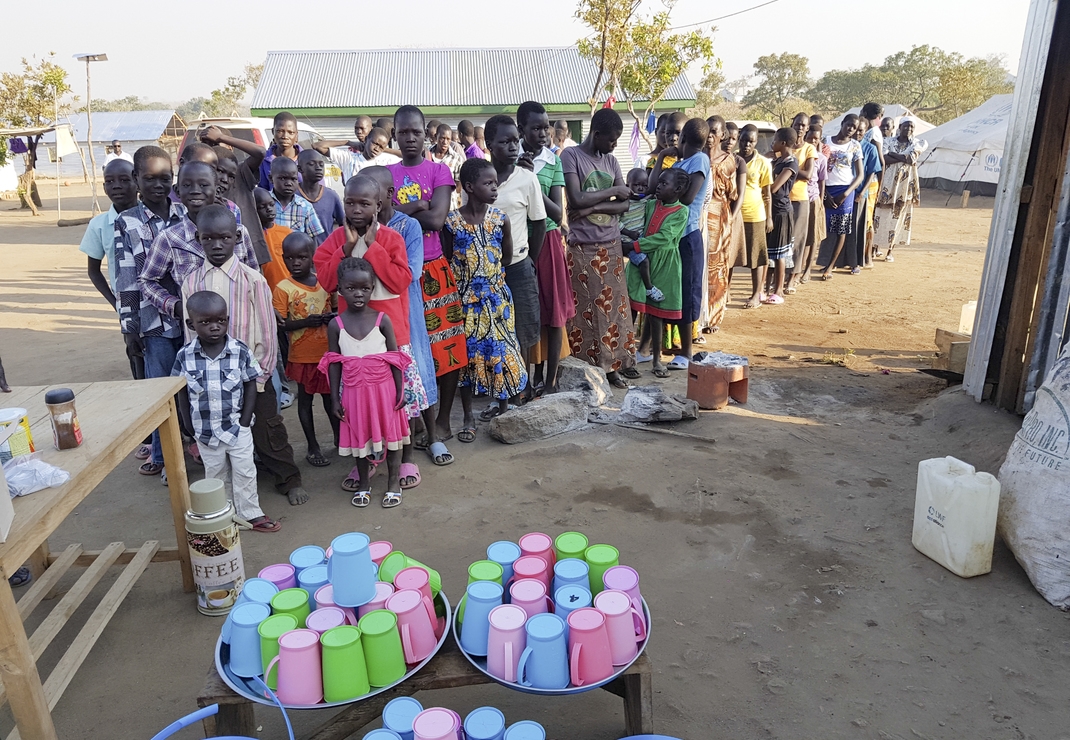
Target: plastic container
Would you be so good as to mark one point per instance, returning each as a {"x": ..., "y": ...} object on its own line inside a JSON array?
[
  {"x": 20, "y": 442},
  {"x": 66, "y": 432},
  {"x": 955, "y": 515}
]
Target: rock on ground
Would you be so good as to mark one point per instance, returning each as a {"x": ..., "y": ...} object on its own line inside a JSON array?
[
  {"x": 554, "y": 414},
  {"x": 577, "y": 375},
  {"x": 651, "y": 403}
]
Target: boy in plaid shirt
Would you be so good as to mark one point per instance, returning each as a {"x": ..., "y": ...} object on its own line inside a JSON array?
[{"x": 218, "y": 401}]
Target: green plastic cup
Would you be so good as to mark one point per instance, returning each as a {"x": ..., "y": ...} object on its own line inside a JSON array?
[
  {"x": 383, "y": 653},
  {"x": 398, "y": 561},
  {"x": 570, "y": 545},
  {"x": 345, "y": 672},
  {"x": 271, "y": 629},
  {"x": 601, "y": 558},
  {"x": 485, "y": 570},
  {"x": 292, "y": 601}
]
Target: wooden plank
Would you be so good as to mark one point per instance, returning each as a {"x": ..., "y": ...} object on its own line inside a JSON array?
[
  {"x": 174, "y": 459},
  {"x": 1027, "y": 89},
  {"x": 163, "y": 555},
  {"x": 43, "y": 585},
  {"x": 64, "y": 671},
  {"x": 18, "y": 671},
  {"x": 115, "y": 418},
  {"x": 638, "y": 704},
  {"x": 38, "y": 560}
]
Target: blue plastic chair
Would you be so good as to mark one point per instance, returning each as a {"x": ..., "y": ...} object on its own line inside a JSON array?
[{"x": 197, "y": 716}]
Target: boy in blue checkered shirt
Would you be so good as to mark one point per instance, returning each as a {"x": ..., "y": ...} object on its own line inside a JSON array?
[{"x": 218, "y": 401}]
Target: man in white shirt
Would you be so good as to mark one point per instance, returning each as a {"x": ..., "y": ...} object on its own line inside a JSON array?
[
  {"x": 354, "y": 156},
  {"x": 117, "y": 153}
]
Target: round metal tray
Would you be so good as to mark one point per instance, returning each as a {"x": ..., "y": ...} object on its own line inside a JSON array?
[
  {"x": 481, "y": 664},
  {"x": 246, "y": 687}
]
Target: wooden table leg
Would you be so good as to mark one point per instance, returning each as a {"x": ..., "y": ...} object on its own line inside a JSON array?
[
  {"x": 638, "y": 704},
  {"x": 18, "y": 671},
  {"x": 39, "y": 560},
  {"x": 174, "y": 461},
  {"x": 232, "y": 720}
]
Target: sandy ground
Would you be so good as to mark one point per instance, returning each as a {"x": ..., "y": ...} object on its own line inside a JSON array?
[{"x": 787, "y": 600}]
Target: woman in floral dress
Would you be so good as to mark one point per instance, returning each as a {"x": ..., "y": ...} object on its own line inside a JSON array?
[{"x": 900, "y": 189}]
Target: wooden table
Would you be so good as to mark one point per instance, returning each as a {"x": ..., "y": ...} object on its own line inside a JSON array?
[
  {"x": 447, "y": 670},
  {"x": 115, "y": 418}
]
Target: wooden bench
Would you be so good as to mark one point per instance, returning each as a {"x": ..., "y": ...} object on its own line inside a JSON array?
[{"x": 447, "y": 670}]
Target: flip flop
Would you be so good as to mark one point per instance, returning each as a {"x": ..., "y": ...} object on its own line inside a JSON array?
[
  {"x": 660, "y": 372},
  {"x": 641, "y": 358},
  {"x": 150, "y": 468},
  {"x": 21, "y": 577},
  {"x": 265, "y": 524},
  {"x": 409, "y": 470},
  {"x": 617, "y": 382},
  {"x": 468, "y": 434},
  {"x": 317, "y": 460},
  {"x": 439, "y": 454},
  {"x": 421, "y": 442},
  {"x": 492, "y": 411},
  {"x": 144, "y": 452},
  {"x": 391, "y": 499},
  {"x": 678, "y": 363},
  {"x": 354, "y": 475},
  {"x": 631, "y": 373},
  {"x": 195, "y": 452},
  {"x": 361, "y": 499}
]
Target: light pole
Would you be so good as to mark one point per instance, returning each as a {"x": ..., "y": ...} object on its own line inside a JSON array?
[{"x": 87, "y": 58}]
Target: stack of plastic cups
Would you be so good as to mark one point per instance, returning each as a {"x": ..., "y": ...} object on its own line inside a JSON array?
[
  {"x": 398, "y": 715},
  {"x": 525, "y": 730},
  {"x": 485, "y": 723}
]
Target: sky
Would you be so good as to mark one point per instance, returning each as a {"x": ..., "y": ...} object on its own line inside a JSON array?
[{"x": 113, "y": 26}]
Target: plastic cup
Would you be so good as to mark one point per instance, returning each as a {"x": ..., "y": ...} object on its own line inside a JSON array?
[
  {"x": 484, "y": 723},
  {"x": 397, "y": 561},
  {"x": 307, "y": 556},
  {"x": 482, "y": 597},
  {"x": 589, "y": 651},
  {"x": 351, "y": 570},
  {"x": 485, "y": 570},
  {"x": 620, "y": 625},
  {"x": 379, "y": 550},
  {"x": 532, "y": 566},
  {"x": 383, "y": 653},
  {"x": 384, "y": 734},
  {"x": 435, "y": 723},
  {"x": 601, "y": 558},
  {"x": 245, "y": 639},
  {"x": 570, "y": 545},
  {"x": 312, "y": 578},
  {"x": 530, "y": 595},
  {"x": 383, "y": 591},
  {"x": 571, "y": 572},
  {"x": 398, "y": 715},
  {"x": 417, "y": 624},
  {"x": 623, "y": 578},
  {"x": 292, "y": 601},
  {"x": 539, "y": 545},
  {"x": 415, "y": 578},
  {"x": 283, "y": 575},
  {"x": 544, "y": 662},
  {"x": 506, "y": 641},
  {"x": 257, "y": 591},
  {"x": 345, "y": 674},
  {"x": 525, "y": 730},
  {"x": 325, "y": 619},
  {"x": 504, "y": 553},
  {"x": 298, "y": 668},
  {"x": 325, "y": 597},
  {"x": 271, "y": 629},
  {"x": 570, "y": 598}
]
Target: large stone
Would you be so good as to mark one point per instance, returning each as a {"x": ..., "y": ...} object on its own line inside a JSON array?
[
  {"x": 650, "y": 403},
  {"x": 544, "y": 417},
  {"x": 577, "y": 375}
]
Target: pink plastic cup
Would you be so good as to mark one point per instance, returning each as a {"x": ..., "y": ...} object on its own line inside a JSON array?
[
  {"x": 539, "y": 545},
  {"x": 282, "y": 575},
  {"x": 324, "y": 597},
  {"x": 590, "y": 656},
  {"x": 436, "y": 723},
  {"x": 415, "y": 578},
  {"x": 530, "y": 595},
  {"x": 623, "y": 578},
  {"x": 383, "y": 591},
  {"x": 379, "y": 550},
  {"x": 532, "y": 566},
  {"x": 300, "y": 675},
  {"x": 506, "y": 642},
  {"x": 325, "y": 619},
  {"x": 416, "y": 622},
  {"x": 620, "y": 624}
]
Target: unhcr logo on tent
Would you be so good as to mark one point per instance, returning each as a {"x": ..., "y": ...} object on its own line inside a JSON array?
[{"x": 993, "y": 162}]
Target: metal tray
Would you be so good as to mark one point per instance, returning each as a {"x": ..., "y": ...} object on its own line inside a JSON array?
[
  {"x": 246, "y": 687},
  {"x": 481, "y": 664}
]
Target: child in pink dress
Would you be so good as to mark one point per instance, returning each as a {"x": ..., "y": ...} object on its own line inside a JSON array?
[{"x": 364, "y": 367}]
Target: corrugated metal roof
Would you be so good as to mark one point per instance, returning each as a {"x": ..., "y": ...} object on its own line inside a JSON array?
[
  {"x": 430, "y": 77},
  {"x": 136, "y": 125}
]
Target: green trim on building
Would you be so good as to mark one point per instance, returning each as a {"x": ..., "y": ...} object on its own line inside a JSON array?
[{"x": 572, "y": 109}]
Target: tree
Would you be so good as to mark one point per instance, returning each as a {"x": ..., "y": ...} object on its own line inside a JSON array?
[
  {"x": 708, "y": 95},
  {"x": 784, "y": 77},
  {"x": 130, "y": 102},
  {"x": 227, "y": 101},
  {"x": 610, "y": 20},
  {"x": 30, "y": 100},
  {"x": 841, "y": 89}
]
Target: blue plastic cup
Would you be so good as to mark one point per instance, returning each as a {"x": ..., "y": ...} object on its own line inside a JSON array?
[
  {"x": 307, "y": 556},
  {"x": 504, "y": 553},
  {"x": 483, "y": 596},
  {"x": 312, "y": 578},
  {"x": 485, "y": 723},
  {"x": 398, "y": 715},
  {"x": 544, "y": 662},
  {"x": 351, "y": 570},
  {"x": 525, "y": 730},
  {"x": 569, "y": 599},
  {"x": 245, "y": 639},
  {"x": 383, "y": 734},
  {"x": 257, "y": 591},
  {"x": 571, "y": 572}
]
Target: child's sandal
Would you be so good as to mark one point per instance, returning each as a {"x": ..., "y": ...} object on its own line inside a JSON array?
[
  {"x": 391, "y": 499},
  {"x": 361, "y": 499}
]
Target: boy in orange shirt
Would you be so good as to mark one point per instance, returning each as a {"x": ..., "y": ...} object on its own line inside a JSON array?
[
  {"x": 274, "y": 271},
  {"x": 306, "y": 309}
]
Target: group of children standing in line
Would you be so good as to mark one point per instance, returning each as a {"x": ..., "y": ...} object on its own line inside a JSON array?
[{"x": 443, "y": 266}]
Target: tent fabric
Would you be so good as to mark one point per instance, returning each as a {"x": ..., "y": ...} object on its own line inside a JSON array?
[
  {"x": 966, "y": 152},
  {"x": 894, "y": 111}
]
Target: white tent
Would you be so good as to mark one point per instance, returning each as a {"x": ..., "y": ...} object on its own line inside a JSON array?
[
  {"x": 965, "y": 153},
  {"x": 894, "y": 111}
]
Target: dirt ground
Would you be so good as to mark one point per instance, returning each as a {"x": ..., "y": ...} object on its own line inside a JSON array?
[{"x": 787, "y": 600}]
